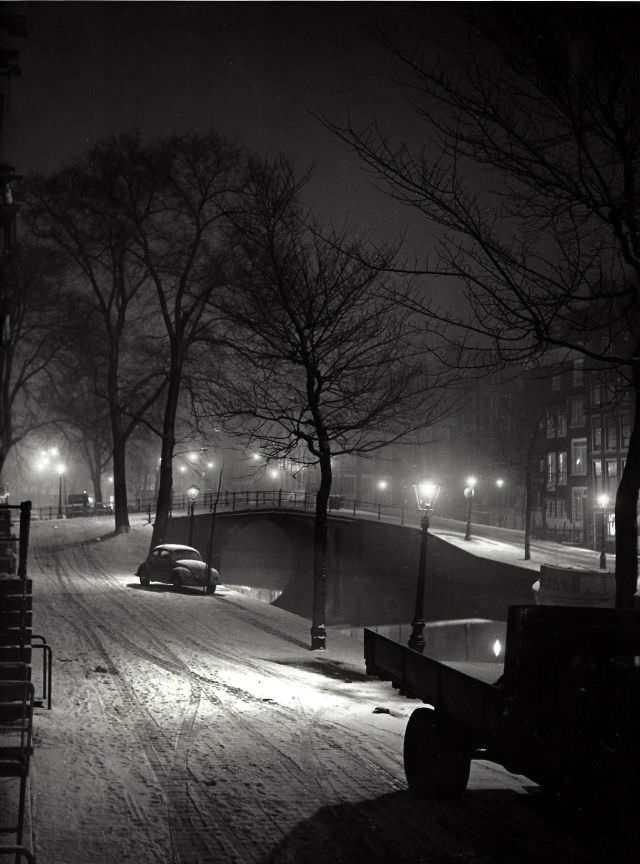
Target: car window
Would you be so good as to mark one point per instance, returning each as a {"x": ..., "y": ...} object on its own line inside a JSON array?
[{"x": 188, "y": 555}]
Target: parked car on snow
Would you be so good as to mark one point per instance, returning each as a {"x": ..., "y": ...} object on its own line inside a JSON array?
[
  {"x": 78, "y": 505},
  {"x": 177, "y": 565}
]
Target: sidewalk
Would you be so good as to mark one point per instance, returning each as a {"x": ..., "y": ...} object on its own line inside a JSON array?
[{"x": 507, "y": 544}]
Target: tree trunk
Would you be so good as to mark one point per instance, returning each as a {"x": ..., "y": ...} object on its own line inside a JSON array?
[
  {"x": 94, "y": 461},
  {"x": 318, "y": 624},
  {"x": 5, "y": 412},
  {"x": 527, "y": 514},
  {"x": 120, "y": 507},
  {"x": 627, "y": 511},
  {"x": 165, "y": 487}
]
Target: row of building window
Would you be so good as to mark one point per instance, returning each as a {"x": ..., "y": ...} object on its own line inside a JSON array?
[
  {"x": 556, "y": 467},
  {"x": 608, "y": 432},
  {"x": 557, "y": 464},
  {"x": 577, "y": 376},
  {"x": 558, "y": 512},
  {"x": 557, "y": 420}
]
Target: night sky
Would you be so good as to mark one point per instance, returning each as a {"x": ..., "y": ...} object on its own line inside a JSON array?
[{"x": 258, "y": 71}]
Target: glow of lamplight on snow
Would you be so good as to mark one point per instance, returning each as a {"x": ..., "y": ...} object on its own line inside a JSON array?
[{"x": 497, "y": 648}]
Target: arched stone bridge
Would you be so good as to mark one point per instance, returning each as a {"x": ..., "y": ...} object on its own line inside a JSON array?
[{"x": 372, "y": 567}]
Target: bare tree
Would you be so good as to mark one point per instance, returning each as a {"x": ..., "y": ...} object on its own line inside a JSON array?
[
  {"x": 179, "y": 193},
  {"x": 76, "y": 402},
  {"x": 78, "y": 212},
  {"x": 518, "y": 439},
  {"x": 34, "y": 306},
  {"x": 527, "y": 170},
  {"x": 321, "y": 353}
]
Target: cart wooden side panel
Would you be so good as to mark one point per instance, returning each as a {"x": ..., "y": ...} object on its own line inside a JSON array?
[{"x": 471, "y": 702}]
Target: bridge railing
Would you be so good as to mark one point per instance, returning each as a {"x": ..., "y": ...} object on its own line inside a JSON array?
[{"x": 236, "y": 500}]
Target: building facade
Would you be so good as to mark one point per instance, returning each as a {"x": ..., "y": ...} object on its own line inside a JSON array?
[{"x": 588, "y": 426}]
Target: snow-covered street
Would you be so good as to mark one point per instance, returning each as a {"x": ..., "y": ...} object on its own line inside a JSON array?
[{"x": 190, "y": 728}]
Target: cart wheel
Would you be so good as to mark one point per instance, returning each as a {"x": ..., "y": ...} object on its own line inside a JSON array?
[{"x": 436, "y": 756}]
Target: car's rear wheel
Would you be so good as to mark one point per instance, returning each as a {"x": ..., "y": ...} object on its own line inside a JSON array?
[
  {"x": 211, "y": 588},
  {"x": 177, "y": 580},
  {"x": 436, "y": 755},
  {"x": 143, "y": 575}
]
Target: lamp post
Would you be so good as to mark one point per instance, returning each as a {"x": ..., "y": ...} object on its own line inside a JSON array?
[
  {"x": 192, "y": 492},
  {"x": 60, "y": 469},
  {"x": 500, "y": 486},
  {"x": 469, "y": 492},
  {"x": 603, "y": 504},
  {"x": 426, "y": 498}
]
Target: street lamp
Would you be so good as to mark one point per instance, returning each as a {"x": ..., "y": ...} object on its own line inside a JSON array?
[
  {"x": 603, "y": 504},
  {"x": 426, "y": 498},
  {"x": 469, "y": 492},
  {"x": 60, "y": 469},
  {"x": 500, "y": 487},
  {"x": 192, "y": 492}
]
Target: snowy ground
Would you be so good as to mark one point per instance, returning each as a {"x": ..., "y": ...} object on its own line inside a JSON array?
[{"x": 188, "y": 728}]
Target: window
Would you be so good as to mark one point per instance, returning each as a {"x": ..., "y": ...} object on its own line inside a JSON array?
[
  {"x": 562, "y": 469},
  {"x": 578, "y": 495},
  {"x": 551, "y": 470},
  {"x": 577, "y": 412},
  {"x": 612, "y": 433},
  {"x": 596, "y": 433},
  {"x": 561, "y": 426},
  {"x": 596, "y": 394},
  {"x": 625, "y": 425},
  {"x": 612, "y": 469},
  {"x": 556, "y": 381},
  {"x": 597, "y": 467},
  {"x": 579, "y": 456},
  {"x": 551, "y": 425}
]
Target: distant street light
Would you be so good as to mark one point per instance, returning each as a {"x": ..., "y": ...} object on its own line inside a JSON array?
[
  {"x": 426, "y": 499},
  {"x": 469, "y": 492},
  {"x": 60, "y": 470},
  {"x": 603, "y": 504}
]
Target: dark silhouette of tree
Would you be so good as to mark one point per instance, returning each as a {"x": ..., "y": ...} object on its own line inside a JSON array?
[
  {"x": 320, "y": 351},
  {"x": 35, "y": 306},
  {"x": 179, "y": 192},
  {"x": 527, "y": 170},
  {"x": 76, "y": 402},
  {"x": 78, "y": 212},
  {"x": 519, "y": 437}
]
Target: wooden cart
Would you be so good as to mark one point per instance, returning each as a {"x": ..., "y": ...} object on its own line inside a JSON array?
[{"x": 565, "y": 712}]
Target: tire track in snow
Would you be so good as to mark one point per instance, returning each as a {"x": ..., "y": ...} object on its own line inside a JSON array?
[{"x": 193, "y": 824}]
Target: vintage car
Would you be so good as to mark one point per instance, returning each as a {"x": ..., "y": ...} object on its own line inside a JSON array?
[{"x": 177, "y": 565}]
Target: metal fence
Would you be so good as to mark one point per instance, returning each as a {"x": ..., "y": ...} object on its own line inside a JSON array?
[{"x": 229, "y": 500}]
